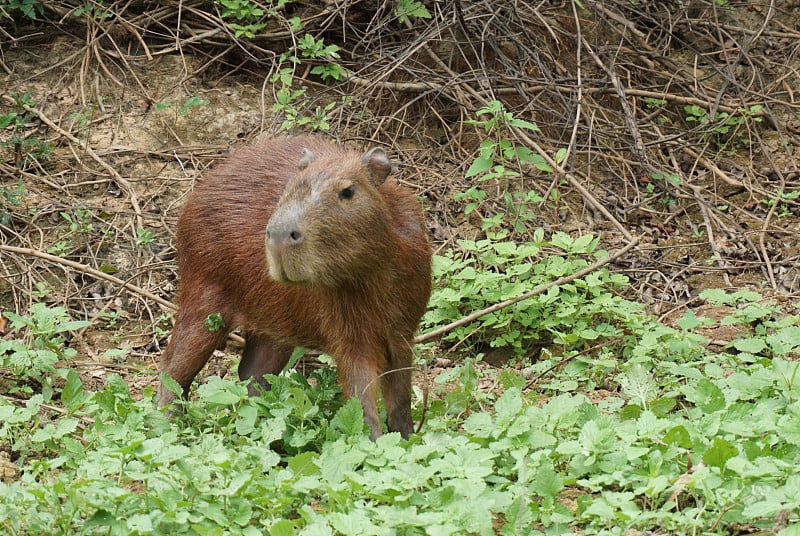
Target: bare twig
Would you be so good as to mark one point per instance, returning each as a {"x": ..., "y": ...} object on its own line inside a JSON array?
[{"x": 122, "y": 182}]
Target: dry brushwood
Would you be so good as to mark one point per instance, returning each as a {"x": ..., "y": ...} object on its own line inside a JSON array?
[{"x": 679, "y": 124}]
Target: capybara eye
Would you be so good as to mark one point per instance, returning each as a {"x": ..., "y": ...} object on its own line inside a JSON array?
[{"x": 347, "y": 193}]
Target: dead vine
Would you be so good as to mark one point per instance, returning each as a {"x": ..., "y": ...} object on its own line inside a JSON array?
[{"x": 680, "y": 122}]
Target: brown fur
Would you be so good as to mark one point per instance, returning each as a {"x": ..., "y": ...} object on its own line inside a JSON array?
[{"x": 350, "y": 276}]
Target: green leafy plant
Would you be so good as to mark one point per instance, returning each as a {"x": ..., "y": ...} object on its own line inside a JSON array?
[
  {"x": 190, "y": 103},
  {"x": 411, "y": 8},
  {"x": 498, "y": 160},
  {"x": 684, "y": 437},
  {"x": 783, "y": 202},
  {"x": 26, "y": 148},
  {"x": 162, "y": 326},
  {"x": 41, "y": 343},
  {"x": 293, "y": 103},
  {"x": 725, "y": 128},
  {"x": 29, "y": 8},
  {"x": 484, "y": 272},
  {"x": 187, "y": 105},
  {"x": 311, "y": 47},
  {"x": 663, "y": 178},
  {"x": 80, "y": 221},
  {"x": 214, "y": 322},
  {"x": 248, "y": 13},
  {"x": 95, "y": 10},
  {"x": 82, "y": 230},
  {"x": 144, "y": 237},
  {"x": 9, "y": 198}
]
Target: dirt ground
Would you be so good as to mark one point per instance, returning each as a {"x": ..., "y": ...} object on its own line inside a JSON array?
[{"x": 132, "y": 121}]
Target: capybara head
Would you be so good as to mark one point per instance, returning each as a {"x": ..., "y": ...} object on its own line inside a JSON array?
[{"x": 329, "y": 224}]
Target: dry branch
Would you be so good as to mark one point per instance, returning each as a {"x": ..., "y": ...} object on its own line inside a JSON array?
[{"x": 614, "y": 84}]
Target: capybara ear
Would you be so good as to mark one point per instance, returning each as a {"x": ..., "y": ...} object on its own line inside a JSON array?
[
  {"x": 306, "y": 159},
  {"x": 377, "y": 164}
]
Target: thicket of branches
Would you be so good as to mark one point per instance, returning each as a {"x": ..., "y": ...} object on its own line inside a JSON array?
[{"x": 675, "y": 122}]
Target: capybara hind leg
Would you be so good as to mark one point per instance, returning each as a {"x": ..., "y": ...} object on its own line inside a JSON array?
[
  {"x": 191, "y": 345},
  {"x": 261, "y": 356},
  {"x": 396, "y": 389}
]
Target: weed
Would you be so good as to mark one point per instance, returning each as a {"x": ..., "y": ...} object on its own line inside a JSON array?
[
  {"x": 187, "y": 105},
  {"x": 190, "y": 103},
  {"x": 782, "y": 201},
  {"x": 498, "y": 160},
  {"x": 144, "y": 237},
  {"x": 488, "y": 461},
  {"x": 162, "y": 326},
  {"x": 486, "y": 271},
  {"x": 27, "y": 148},
  {"x": 42, "y": 290},
  {"x": 32, "y": 357},
  {"x": 111, "y": 318},
  {"x": 411, "y": 8},
  {"x": 95, "y": 10},
  {"x": 80, "y": 222},
  {"x": 60, "y": 248},
  {"x": 214, "y": 322},
  {"x": 310, "y": 47},
  {"x": 293, "y": 103},
  {"x": 10, "y": 197},
  {"x": 725, "y": 128},
  {"x": 663, "y": 178},
  {"x": 82, "y": 119},
  {"x": 29, "y": 8},
  {"x": 247, "y": 14},
  {"x": 243, "y": 10}
]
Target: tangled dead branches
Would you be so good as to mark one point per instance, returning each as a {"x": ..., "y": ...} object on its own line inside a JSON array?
[{"x": 677, "y": 121}]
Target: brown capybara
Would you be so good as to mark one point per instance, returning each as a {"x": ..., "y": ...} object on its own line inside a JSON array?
[{"x": 300, "y": 242}]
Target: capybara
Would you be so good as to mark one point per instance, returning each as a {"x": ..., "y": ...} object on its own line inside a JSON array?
[{"x": 300, "y": 242}]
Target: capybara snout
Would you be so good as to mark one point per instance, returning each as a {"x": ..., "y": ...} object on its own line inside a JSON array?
[{"x": 300, "y": 242}]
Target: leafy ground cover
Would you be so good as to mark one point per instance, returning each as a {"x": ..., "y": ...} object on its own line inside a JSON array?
[{"x": 660, "y": 432}]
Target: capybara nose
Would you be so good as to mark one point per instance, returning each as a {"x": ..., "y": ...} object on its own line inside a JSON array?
[{"x": 282, "y": 236}]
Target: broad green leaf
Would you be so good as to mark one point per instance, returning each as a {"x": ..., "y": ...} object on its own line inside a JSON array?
[
  {"x": 222, "y": 392},
  {"x": 547, "y": 483},
  {"x": 791, "y": 530},
  {"x": 521, "y": 123},
  {"x": 752, "y": 345},
  {"x": 708, "y": 396},
  {"x": 480, "y": 165},
  {"x": 72, "y": 393},
  {"x": 661, "y": 406},
  {"x": 350, "y": 418},
  {"x": 479, "y": 425},
  {"x": 284, "y": 527},
  {"x": 678, "y": 436},
  {"x": 508, "y": 406},
  {"x": 581, "y": 243},
  {"x": 303, "y": 464},
  {"x": 720, "y": 452}
]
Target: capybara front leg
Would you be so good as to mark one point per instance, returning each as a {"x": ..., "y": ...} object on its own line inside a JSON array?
[
  {"x": 359, "y": 378},
  {"x": 189, "y": 349}
]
